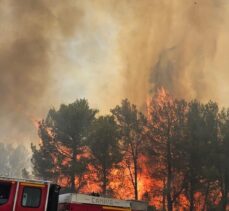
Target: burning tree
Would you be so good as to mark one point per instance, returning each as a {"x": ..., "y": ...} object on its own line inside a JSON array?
[
  {"x": 223, "y": 159},
  {"x": 188, "y": 148},
  {"x": 176, "y": 157},
  {"x": 63, "y": 135},
  {"x": 105, "y": 153},
  {"x": 200, "y": 153},
  {"x": 132, "y": 124},
  {"x": 45, "y": 158},
  {"x": 166, "y": 118}
]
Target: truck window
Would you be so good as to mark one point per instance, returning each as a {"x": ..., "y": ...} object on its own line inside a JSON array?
[
  {"x": 31, "y": 197},
  {"x": 4, "y": 192}
]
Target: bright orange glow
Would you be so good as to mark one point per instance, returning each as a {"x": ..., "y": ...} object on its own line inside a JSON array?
[{"x": 150, "y": 188}]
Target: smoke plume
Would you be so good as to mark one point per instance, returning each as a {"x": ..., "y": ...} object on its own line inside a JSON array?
[
  {"x": 170, "y": 44},
  {"x": 28, "y": 31},
  {"x": 53, "y": 52}
]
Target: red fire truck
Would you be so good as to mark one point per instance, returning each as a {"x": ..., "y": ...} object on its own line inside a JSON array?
[{"x": 32, "y": 195}]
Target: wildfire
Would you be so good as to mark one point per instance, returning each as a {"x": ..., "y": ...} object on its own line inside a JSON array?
[
  {"x": 149, "y": 189},
  {"x": 161, "y": 100}
]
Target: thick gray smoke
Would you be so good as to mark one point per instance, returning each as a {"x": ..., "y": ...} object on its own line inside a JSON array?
[
  {"x": 53, "y": 52},
  {"x": 28, "y": 32},
  {"x": 171, "y": 44}
]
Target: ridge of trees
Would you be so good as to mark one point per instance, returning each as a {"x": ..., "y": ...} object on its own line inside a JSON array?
[{"x": 185, "y": 146}]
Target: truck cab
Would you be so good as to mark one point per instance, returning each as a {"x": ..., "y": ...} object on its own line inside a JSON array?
[{"x": 28, "y": 195}]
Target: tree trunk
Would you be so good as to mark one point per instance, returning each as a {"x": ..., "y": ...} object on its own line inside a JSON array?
[
  {"x": 164, "y": 196},
  {"x": 135, "y": 179},
  {"x": 104, "y": 182},
  {"x": 169, "y": 177},
  {"x": 73, "y": 166},
  {"x": 225, "y": 193},
  {"x": 191, "y": 193},
  {"x": 73, "y": 182},
  {"x": 224, "y": 200},
  {"x": 206, "y": 197}
]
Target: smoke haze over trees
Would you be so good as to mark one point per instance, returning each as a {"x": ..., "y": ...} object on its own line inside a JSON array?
[
  {"x": 175, "y": 154},
  {"x": 14, "y": 161},
  {"x": 134, "y": 45}
]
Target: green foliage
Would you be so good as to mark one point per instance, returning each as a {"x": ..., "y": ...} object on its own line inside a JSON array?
[
  {"x": 43, "y": 158},
  {"x": 222, "y": 164},
  {"x": 186, "y": 145},
  {"x": 132, "y": 125},
  {"x": 200, "y": 149},
  {"x": 103, "y": 143},
  {"x": 166, "y": 132},
  {"x": 63, "y": 136}
]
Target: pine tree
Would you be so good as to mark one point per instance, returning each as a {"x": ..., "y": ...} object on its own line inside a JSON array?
[
  {"x": 63, "y": 134},
  {"x": 104, "y": 146},
  {"x": 132, "y": 124}
]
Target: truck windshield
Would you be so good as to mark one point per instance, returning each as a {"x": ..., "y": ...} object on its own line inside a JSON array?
[{"x": 4, "y": 192}]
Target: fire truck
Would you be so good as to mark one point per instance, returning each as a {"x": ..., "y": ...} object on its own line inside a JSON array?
[{"x": 35, "y": 195}]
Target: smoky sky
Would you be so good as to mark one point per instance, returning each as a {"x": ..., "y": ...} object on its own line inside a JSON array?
[
  {"x": 172, "y": 44},
  {"x": 28, "y": 30},
  {"x": 53, "y": 52}
]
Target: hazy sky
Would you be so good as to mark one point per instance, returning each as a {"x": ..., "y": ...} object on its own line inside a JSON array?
[{"x": 53, "y": 52}]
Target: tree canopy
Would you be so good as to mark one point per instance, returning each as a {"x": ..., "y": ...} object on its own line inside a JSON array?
[
  {"x": 103, "y": 142},
  {"x": 63, "y": 134},
  {"x": 175, "y": 153}
]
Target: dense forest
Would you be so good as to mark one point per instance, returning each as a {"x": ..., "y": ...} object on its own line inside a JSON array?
[{"x": 172, "y": 153}]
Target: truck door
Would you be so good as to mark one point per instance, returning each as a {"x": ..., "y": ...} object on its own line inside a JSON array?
[
  {"x": 7, "y": 193},
  {"x": 31, "y": 197}
]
